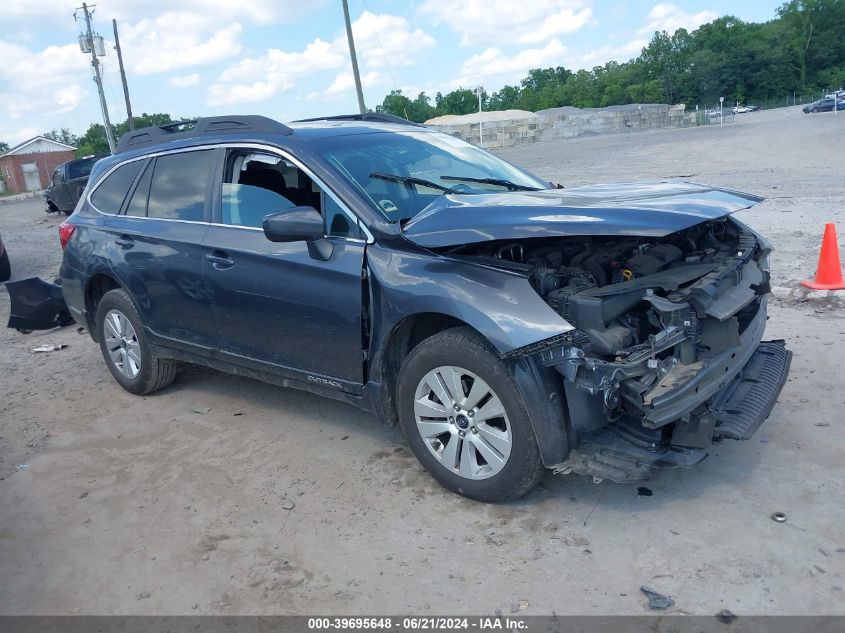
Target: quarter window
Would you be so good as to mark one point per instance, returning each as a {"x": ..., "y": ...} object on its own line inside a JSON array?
[
  {"x": 179, "y": 185},
  {"x": 138, "y": 202},
  {"x": 109, "y": 195}
]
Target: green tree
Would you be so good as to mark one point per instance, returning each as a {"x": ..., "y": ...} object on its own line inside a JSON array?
[{"x": 62, "y": 136}]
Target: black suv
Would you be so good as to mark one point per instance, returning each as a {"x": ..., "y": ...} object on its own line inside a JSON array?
[
  {"x": 509, "y": 324},
  {"x": 67, "y": 184}
]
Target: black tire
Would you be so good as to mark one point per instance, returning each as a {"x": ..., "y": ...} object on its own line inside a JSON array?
[
  {"x": 5, "y": 267},
  {"x": 814, "y": 110},
  {"x": 464, "y": 348},
  {"x": 155, "y": 373}
]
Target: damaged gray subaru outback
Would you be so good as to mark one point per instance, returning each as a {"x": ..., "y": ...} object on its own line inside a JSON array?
[{"x": 510, "y": 325}]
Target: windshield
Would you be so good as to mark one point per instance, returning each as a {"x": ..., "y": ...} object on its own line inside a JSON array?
[{"x": 401, "y": 173}]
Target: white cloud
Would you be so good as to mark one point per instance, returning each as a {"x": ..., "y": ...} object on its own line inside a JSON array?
[
  {"x": 385, "y": 40},
  {"x": 257, "y": 78},
  {"x": 600, "y": 56},
  {"x": 221, "y": 11},
  {"x": 508, "y": 21},
  {"x": 495, "y": 64},
  {"x": 43, "y": 82},
  {"x": 185, "y": 81},
  {"x": 669, "y": 18},
  {"x": 173, "y": 41},
  {"x": 379, "y": 39},
  {"x": 344, "y": 84}
]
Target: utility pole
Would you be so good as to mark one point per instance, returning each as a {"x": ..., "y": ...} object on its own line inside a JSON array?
[
  {"x": 123, "y": 76},
  {"x": 357, "y": 76},
  {"x": 480, "y": 123},
  {"x": 88, "y": 46}
]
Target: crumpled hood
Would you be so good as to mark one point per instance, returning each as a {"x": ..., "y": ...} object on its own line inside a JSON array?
[{"x": 646, "y": 209}]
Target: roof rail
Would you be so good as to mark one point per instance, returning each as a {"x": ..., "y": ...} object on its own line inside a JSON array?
[
  {"x": 206, "y": 126},
  {"x": 377, "y": 117}
]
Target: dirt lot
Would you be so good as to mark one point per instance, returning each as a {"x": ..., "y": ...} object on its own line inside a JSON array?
[{"x": 114, "y": 504}]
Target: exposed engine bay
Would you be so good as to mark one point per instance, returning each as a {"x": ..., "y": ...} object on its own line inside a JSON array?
[
  {"x": 665, "y": 330},
  {"x": 610, "y": 288}
]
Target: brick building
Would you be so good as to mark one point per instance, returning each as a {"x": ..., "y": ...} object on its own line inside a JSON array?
[{"x": 30, "y": 165}]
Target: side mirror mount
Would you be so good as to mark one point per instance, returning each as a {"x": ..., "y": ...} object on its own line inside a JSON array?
[{"x": 299, "y": 224}]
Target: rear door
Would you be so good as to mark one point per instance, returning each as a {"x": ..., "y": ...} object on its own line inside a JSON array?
[
  {"x": 278, "y": 308},
  {"x": 156, "y": 248}
]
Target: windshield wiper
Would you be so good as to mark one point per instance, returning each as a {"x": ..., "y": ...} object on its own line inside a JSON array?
[
  {"x": 411, "y": 180},
  {"x": 510, "y": 186}
]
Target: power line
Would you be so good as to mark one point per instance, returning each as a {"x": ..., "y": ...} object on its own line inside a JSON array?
[{"x": 383, "y": 54}]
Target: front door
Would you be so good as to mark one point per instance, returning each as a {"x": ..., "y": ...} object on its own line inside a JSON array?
[{"x": 278, "y": 308}]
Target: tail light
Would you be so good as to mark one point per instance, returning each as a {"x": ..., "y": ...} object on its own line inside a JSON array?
[{"x": 66, "y": 229}]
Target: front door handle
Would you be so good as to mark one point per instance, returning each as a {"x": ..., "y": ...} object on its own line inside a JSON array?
[
  {"x": 220, "y": 260},
  {"x": 125, "y": 242}
]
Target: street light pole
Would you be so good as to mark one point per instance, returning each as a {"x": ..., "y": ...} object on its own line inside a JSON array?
[
  {"x": 89, "y": 37},
  {"x": 361, "y": 107}
]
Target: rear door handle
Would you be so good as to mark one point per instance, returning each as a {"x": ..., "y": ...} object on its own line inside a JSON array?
[
  {"x": 220, "y": 260},
  {"x": 124, "y": 241}
]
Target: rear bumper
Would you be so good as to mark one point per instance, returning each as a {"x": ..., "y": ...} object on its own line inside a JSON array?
[{"x": 36, "y": 305}]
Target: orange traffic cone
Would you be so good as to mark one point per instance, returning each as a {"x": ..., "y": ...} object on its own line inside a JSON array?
[{"x": 829, "y": 270}]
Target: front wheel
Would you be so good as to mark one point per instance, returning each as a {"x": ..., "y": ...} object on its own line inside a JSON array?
[
  {"x": 465, "y": 420},
  {"x": 130, "y": 358}
]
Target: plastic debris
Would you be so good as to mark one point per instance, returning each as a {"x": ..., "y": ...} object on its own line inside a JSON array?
[
  {"x": 22, "y": 466},
  {"x": 288, "y": 505},
  {"x": 657, "y": 601},
  {"x": 779, "y": 517},
  {"x": 49, "y": 347},
  {"x": 201, "y": 410}
]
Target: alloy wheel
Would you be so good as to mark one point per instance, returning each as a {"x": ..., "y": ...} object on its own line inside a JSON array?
[
  {"x": 122, "y": 344},
  {"x": 462, "y": 422}
]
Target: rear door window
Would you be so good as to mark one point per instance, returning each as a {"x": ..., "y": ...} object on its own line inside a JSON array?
[
  {"x": 179, "y": 186},
  {"x": 109, "y": 195}
]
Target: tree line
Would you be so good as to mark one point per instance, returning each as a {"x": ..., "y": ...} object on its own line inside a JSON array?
[{"x": 801, "y": 50}]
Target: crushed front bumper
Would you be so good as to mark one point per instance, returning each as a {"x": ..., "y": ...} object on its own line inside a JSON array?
[
  {"x": 625, "y": 450},
  {"x": 629, "y": 423}
]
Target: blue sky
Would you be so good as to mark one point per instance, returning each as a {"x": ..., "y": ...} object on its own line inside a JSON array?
[{"x": 288, "y": 58}]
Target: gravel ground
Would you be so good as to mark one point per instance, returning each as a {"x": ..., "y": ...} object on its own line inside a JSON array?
[{"x": 275, "y": 501}]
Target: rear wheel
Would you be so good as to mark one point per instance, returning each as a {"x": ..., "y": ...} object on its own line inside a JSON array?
[
  {"x": 130, "y": 358},
  {"x": 465, "y": 420}
]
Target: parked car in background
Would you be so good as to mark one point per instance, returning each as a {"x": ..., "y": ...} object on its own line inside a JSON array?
[
  {"x": 67, "y": 184},
  {"x": 510, "y": 325},
  {"x": 5, "y": 266},
  {"x": 824, "y": 105},
  {"x": 753, "y": 108},
  {"x": 741, "y": 109}
]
